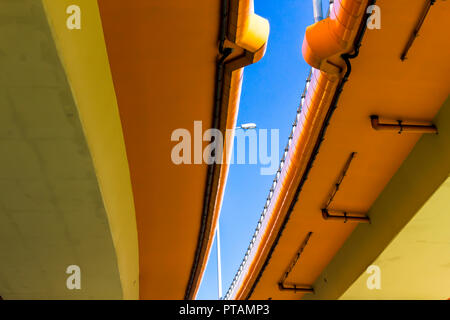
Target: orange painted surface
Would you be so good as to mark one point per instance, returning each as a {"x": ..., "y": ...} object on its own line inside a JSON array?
[
  {"x": 380, "y": 83},
  {"x": 163, "y": 58},
  {"x": 249, "y": 46},
  {"x": 163, "y": 62},
  {"x": 325, "y": 40}
]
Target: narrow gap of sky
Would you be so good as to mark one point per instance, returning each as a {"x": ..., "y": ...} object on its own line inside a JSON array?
[{"x": 270, "y": 97}]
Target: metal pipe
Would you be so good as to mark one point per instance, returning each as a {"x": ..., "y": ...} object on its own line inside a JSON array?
[
  {"x": 294, "y": 288},
  {"x": 317, "y": 6},
  {"x": 344, "y": 216},
  {"x": 340, "y": 179},
  {"x": 400, "y": 127},
  {"x": 416, "y": 30}
]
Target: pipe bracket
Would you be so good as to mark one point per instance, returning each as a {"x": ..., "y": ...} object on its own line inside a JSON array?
[
  {"x": 345, "y": 216},
  {"x": 401, "y": 127},
  {"x": 295, "y": 288}
]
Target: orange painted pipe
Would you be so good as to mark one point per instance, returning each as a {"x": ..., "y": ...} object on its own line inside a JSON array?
[
  {"x": 294, "y": 288},
  {"x": 328, "y": 38},
  {"x": 344, "y": 217},
  {"x": 400, "y": 127},
  {"x": 323, "y": 40}
]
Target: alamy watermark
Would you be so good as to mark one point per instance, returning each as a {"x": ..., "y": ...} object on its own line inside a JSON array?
[
  {"x": 374, "y": 280},
  {"x": 74, "y": 19},
  {"x": 374, "y": 20},
  {"x": 190, "y": 147},
  {"x": 74, "y": 280}
]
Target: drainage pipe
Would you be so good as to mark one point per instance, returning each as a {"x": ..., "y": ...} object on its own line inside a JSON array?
[
  {"x": 344, "y": 217},
  {"x": 400, "y": 127},
  {"x": 416, "y": 30},
  {"x": 294, "y": 288},
  {"x": 317, "y": 6}
]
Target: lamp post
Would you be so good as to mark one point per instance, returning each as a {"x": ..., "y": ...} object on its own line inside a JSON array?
[
  {"x": 219, "y": 264},
  {"x": 247, "y": 126},
  {"x": 244, "y": 126}
]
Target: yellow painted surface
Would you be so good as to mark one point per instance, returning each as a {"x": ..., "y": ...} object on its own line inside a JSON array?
[
  {"x": 83, "y": 54},
  {"x": 416, "y": 264},
  {"x": 52, "y": 213},
  {"x": 424, "y": 171}
]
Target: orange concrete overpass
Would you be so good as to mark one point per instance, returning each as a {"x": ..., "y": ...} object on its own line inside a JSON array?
[
  {"x": 364, "y": 178},
  {"x": 87, "y": 115}
]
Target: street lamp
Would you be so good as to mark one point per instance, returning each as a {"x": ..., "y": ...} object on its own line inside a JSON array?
[
  {"x": 244, "y": 126},
  {"x": 247, "y": 126}
]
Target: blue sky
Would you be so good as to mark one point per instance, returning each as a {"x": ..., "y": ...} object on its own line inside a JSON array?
[{"x": 271, "y": 93}]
